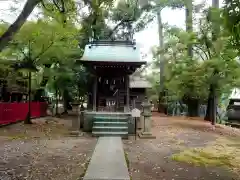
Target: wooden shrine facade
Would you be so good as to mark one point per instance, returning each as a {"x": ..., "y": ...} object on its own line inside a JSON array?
[{"x": 109, "y": 88}]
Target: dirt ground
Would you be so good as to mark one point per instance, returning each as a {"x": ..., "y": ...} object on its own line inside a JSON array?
[
  {"x": 185, "y": 149},
  {"x": 43, "y": 151}
]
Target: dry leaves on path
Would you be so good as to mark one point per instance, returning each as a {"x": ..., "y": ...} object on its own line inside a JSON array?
[{"x": 41, "y": 128}]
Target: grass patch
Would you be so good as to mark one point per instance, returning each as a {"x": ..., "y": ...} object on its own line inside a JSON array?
[
  {"x": 128, "y": 163},
  {"x": 223, "y": 152},
  {"x": 204, "y": 158},
  {"x": 17, "y": 137},
  {"x": 127, "y": 160}
]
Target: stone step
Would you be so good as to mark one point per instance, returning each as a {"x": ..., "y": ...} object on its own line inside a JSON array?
[
  {"x": 110, "y": 123},
  {"x": 108, "y": 161},
  {"x": 111, "y": 118},
  {"x": 110, "y": 129},
  {"x": 102, "y": 133}
]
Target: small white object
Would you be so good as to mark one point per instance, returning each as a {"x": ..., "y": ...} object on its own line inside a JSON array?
[
  {"x": 136, "y": 112},
  {"x": 237, "y": 103},
  {"x": 60, "y": 109}
]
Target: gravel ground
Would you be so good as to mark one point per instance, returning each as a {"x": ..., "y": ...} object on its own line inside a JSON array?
[
  {"x": 152, "y": 159},
  {"x": 43, "y": 151}
]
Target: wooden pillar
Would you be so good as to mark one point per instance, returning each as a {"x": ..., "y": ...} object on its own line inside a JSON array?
[
  {"x": 95, "y": 94},
  {"x": 127, "y": 93}
]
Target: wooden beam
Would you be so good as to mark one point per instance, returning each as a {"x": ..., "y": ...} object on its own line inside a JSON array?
[
  {"x": 95, "y": 93},
  {"x": 127, "y": 93}
]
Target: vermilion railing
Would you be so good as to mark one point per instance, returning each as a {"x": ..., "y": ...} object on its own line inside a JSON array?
[{"x": 13, "y": 112}]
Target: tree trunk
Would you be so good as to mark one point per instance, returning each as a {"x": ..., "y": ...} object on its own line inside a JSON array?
[
  {"x": 56, "y": 104},
  {"x": 193, "y": 107},
  {"x": 161, "y": 105},
  {"x": 211, "y": 113},
  {"x": 14, "y": 28},
  {"x": 209, "y": 109},
  {"x": 28, "y": 118},
  {"x": 189, "y": 23},
  {"x": 65, "y": 101},
  {"x": 193, "y": 104}
]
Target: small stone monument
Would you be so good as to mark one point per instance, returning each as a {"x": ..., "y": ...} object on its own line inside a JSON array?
[
  {"x": 75, "y": 126},
  {"x": 81, "y": 115},
  {"x": 147, "y": 125}
]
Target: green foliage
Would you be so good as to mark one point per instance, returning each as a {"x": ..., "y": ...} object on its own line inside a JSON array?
[
  {"x": 61, "y": 11},
  {"x": 153, "y": 92},
  {"x": 44, "y": 43},
  {"x": 231, "y": 14},
  {"x": 191, "y": 77}
]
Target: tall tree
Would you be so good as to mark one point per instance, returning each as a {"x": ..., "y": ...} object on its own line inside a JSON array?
[
  {"x": 156, "y": 7},
  {"x": 211, "y": 113},
  {"x": 192, "y": 103}
]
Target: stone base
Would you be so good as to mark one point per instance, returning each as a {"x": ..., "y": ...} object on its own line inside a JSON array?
[
  {"x": 146, "y": 135},
  {"x": 75, "y": 133}
]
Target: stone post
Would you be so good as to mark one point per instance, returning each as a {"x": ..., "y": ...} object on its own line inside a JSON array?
[
  {"x": 147, "y": 125},
  {"x": 81, "y": 115},
  {"x": 76, "y": 125}
]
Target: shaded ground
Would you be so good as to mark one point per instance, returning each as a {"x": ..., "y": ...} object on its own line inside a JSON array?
[
  {"x": 43, "y": 151},
  {"x": 185, "y": 149}
]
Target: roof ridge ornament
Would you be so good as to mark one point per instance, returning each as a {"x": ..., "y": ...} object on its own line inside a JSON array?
[{"x": 112, "y": 43}]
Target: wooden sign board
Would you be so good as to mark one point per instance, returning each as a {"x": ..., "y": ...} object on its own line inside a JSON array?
[{"x": 136, "y": 112}]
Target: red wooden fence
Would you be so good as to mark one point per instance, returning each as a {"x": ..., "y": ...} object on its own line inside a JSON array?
[{"x": 13, "y": 112}]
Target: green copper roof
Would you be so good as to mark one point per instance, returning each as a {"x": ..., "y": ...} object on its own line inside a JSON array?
[{"x": 109, "y": 52}]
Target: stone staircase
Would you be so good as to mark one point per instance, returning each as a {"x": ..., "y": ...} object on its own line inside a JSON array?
[{"x": 110, "y": 126}]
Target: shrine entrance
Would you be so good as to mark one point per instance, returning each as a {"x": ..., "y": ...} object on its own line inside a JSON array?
[
  {"x": 110, "y": 64},
  {"x": 109, "y": 89}
]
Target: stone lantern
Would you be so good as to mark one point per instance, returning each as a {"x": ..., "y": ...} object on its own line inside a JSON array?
[{"x": 147, "y": 124}]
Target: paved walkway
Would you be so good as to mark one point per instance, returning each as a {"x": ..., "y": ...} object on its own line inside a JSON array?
[{"x": 108, "y": 161}]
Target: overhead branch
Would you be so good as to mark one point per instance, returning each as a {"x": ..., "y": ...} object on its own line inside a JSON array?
[
  {"x": 206, "y": 43},
  {"x": 24, "y": 54},
  {"x": 45, "y": 7},
  {"x": 63, "y": 6},
  {"x": 117, "y": 26},
  {"x": 131, "y": 19},
  {"x": 200, "y": 48},
  {"x": 18, "y": 23},
  {"x": 57, "y": 5},
  {"x": 44, "y": 50},
  {"x": 198, "y": 53}
]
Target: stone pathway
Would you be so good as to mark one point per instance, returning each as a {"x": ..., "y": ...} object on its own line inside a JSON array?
[{"x": 108, "y": 161}]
